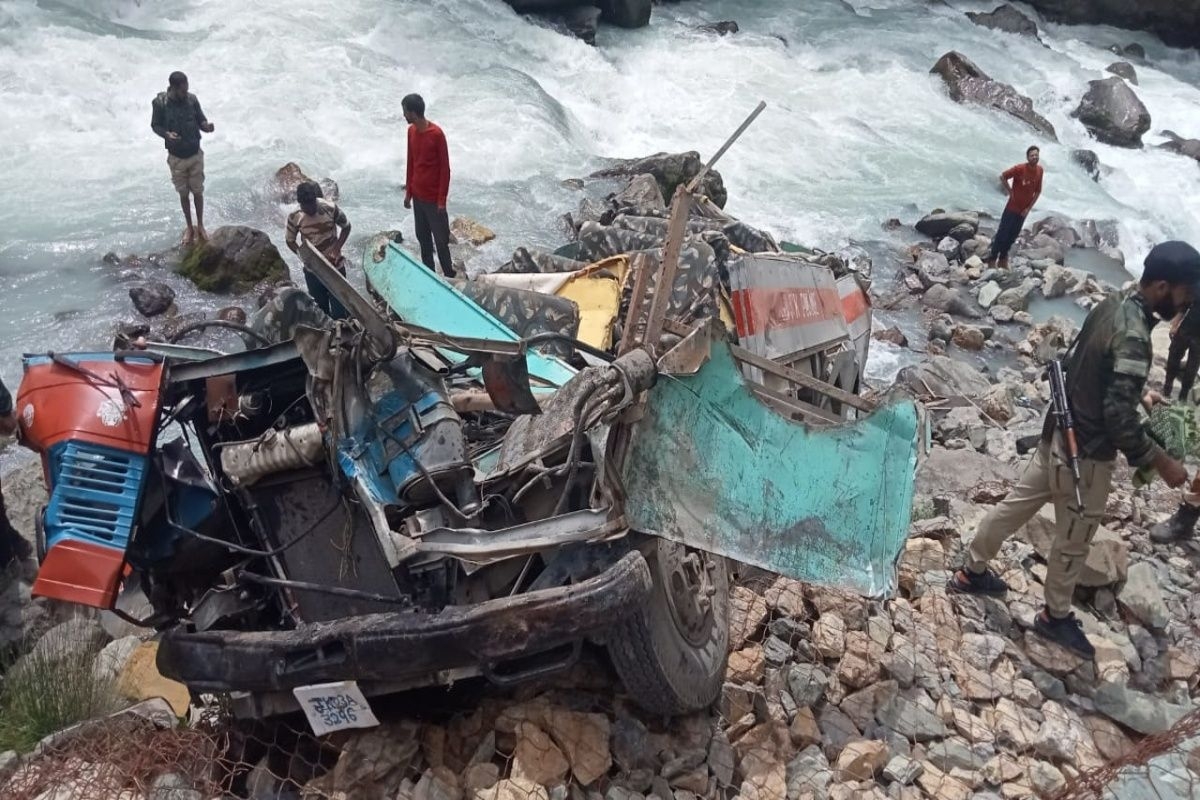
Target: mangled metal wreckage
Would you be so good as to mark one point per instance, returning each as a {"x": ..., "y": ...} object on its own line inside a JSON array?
[{"x": 378, "y": 502}]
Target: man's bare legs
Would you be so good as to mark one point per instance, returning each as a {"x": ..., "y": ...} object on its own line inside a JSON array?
[
  {"x": 185, "y": 203},
  {"x": 201, "y": 234}
]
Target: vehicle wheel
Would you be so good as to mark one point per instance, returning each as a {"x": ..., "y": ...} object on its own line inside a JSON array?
[{"x": 671, "y": 654}]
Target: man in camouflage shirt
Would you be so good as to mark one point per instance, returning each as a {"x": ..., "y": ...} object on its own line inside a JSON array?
[
  {"x": 1106, "y": 369},
  {"x": 13, "y": 546}
]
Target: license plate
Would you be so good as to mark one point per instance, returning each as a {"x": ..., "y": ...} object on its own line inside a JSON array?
[{"x": 335, "y": 707}]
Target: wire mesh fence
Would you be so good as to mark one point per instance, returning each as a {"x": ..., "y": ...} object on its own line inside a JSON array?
[{"x": 826, "y": 695}]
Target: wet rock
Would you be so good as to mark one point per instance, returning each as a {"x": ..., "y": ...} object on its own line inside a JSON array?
[
  {"x": 626, "y": 13},
  {"x": 1017, "y": 298},
  {"x": 722, "y": 28},
  {"x": 861, "y": 760},
  {"x": 968, "y": 337},
  {"x": 465, "y": 229},
  {"x": 893, "y": 335},
  {"x": 1057, "y": 281},
  {"x": 670, "y": 170},
  {"x": 1184, "y": 147},
  {"x": 1124, "y": 70},
  {"x": 1089, "y": 161},
  {"x": 1142, "y": 596},
  {"x": 1136, "y": 710},
  {"x": 1005, "y": 18},
  {"x": 1113, "y": 113},
  {"x": 234, "y": 260},
  {"x": 582, "y": 22},
  {"x": 938, "y": 224},
  {"x": 152, "y": 298},
  {"x": 642, "y": 192},
  {"x": 969, "y": 84},
  {"x": 290, "y": 176}
]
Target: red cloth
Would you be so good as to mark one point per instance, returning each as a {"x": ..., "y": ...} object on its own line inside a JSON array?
[
  {"x": 1026, "y": 186},
  {"x": 428, "y": 165}
]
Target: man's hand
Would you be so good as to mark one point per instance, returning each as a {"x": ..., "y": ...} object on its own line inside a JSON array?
[
  {"x": 1173, "y": 472},
  {"x": 335, "y": 255},
  {"x": 172, "y": 136},
  {"x": 1151, "y": 399},
  {"x": 207, "y": 127},
  {"x": 408, "y": 202}
]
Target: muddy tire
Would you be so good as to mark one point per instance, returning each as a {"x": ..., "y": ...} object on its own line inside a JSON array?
[{"x": 671, "y": 654}]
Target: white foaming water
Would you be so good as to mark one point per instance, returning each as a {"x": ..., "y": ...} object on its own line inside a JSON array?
[{"x": 856, "y": 130}]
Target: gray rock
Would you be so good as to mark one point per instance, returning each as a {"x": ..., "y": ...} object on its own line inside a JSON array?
[
  {"x": 933, "y": 267},
  {"x": 807, "y": 684},
  {"x": 152, "y": 299},
  {"x": 1184, "y": 147},
  {"x": 837, "y": 729},
  {"x": 969, "y": 84},
  {"x": 626, "y": 13},
  {"x": 945, "y": 377},
  {"x": 1017, "y": 298},
  {"x": 1005, "y": 18},
  {"x": 112, "y": 659},
  {"x": 956, "y": 472},
  {"x": 940, "y": 223},
  {"x": 670, "y": 170},
  {"x": 1089, "y": 161},
  {"x": 911, "y": 720},
  {"x": 642, "y": 192},
  {"x": 776, "y": 651},
  {"x": 988, "y": 293},
  {"x": 173, "y": 786},
  {"x": 948, "y": 246},
  {"x": 10, "y": 760},
  {"x": 809, "y": 775},
  {"x": 628, "y": 742},
  {"x": 953, "y": 752},
  {"x": 943, "y": 298},
  {"x": 1143, "y": 597},
  {"x": 1141, "y": 712},
  {"x": 80, "y": 634},
  {"x": 1056, "y": 281},
  {"x": 962, "y": 233},
  {"x": 1173, "y": 21},
  {"x": 903, "y": 770},
  {"x": 1123, "y": 69},
  {"x": 720, "y": 758},
  {"x": 722, "y": 28},
  {"x": 1113, "y": 113}
]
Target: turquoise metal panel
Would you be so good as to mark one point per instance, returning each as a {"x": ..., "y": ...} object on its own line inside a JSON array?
[
  {"x": 421, "y": 297},
  {"x": 710, "y": 466}
]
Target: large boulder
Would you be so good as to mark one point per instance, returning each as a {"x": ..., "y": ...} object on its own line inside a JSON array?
[
  {"x": 1177, "y": 22},
  {"x": 1184, "y": 147},
  {"x": 943, "y": 376},
  {"x": 956, "y": 472},
  {"x": 1005, "y": 18},
  {"x": 670, "y": 170},
  {"x": 290, "y": 175},
  {"x": 152, "y": 299},
  {"x": 969, "y": 84},
  {"x": 1113, "y": 113},
  {"x": 234, "y": 260},
  {"x": 1123, "y": 69},
  {"x": 938, "y": 224}
]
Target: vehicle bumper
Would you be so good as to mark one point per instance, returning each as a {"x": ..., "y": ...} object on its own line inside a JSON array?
[{"x": 403, "y": 645}]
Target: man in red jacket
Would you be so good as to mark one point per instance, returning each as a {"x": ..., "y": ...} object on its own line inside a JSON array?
[
  {"x": 428, "y": 183},
  {"x": 1026, "y": 188}
]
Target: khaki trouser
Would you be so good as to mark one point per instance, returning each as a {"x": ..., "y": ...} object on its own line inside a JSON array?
[
  {"x": 187, "y": 174},
  {"x": 1047, "y": 479}
]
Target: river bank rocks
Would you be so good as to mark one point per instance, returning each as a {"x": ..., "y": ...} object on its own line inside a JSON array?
[
  {"x": 1184, "y": 147},
  {"x": 1176, "y": 22},
  {"x": 282, "y": 186},
  {"x": 669, "y": 170},
  {"x": 581, "y": 17},
  {"x": 1005, "y": 18},
  {"x": 969, "y": 84}
]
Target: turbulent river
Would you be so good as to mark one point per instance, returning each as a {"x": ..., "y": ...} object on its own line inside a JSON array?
[{"x": 856, "y": 131}]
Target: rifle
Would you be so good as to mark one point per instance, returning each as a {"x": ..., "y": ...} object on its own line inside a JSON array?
[{"x": 1061, "y": 408}]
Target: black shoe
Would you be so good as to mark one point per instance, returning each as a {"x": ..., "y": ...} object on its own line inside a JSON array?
[
  {"x": 987, "y": 583},
  {"x": 1179, "y": 525},
  {"x": 1066, "y": 631}
]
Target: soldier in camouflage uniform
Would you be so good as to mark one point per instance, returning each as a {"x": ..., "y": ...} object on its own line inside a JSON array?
[
  {"x": 285, "y": 309},
  {"x": 1106, "y": 369}
]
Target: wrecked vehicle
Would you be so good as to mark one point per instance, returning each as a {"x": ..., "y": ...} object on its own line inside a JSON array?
[{"x": 391, "y": 504}]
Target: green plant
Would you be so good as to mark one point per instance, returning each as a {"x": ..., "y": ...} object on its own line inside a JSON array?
[
  {"x": 52, "y": 687},
  {"x": 923, "y": 510}
]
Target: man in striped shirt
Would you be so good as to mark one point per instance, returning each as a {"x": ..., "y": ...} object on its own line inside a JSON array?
[{"x": 325, "y": 226}]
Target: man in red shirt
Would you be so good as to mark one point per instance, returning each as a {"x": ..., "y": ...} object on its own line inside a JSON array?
[
  {"x": 1022, "y": 194},
  {"x": 428, "y": 183}
]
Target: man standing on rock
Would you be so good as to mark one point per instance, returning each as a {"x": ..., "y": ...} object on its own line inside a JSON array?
[
  {"x": 13, "y": 546},
  {"x": 1106, "y": 368},
  {"x": 428, "y": 184},
  {"x": 1025, "y": 189},
  {"x": 176, "y": 116},
  {"x": 318, "y": 221}
]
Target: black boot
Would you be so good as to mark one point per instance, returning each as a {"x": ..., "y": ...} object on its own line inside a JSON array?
[{"x": 1179, "y": 525}]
